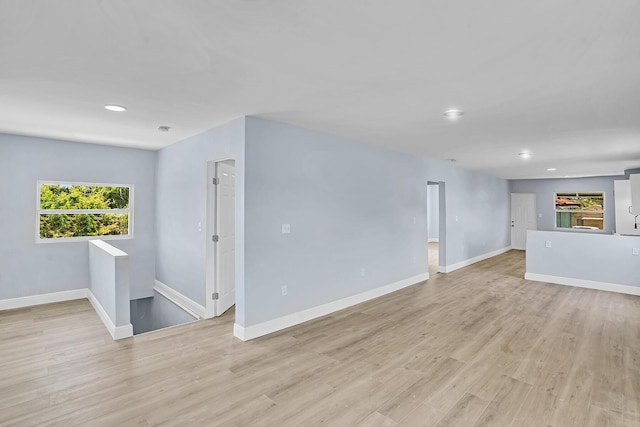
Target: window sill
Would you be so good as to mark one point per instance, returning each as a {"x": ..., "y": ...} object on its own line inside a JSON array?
[{"x": 81, "y": 239}]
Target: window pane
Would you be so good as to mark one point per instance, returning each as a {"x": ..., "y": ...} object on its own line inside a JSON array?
[
  {"x": 579, "y": 201},
  {"x": 68, "y": 196},
  {"x": 580, "y": 220},
  {"x": 78, "y": 225}
]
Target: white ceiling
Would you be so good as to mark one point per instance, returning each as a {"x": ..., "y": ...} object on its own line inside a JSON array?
[{"x": 559, "y": 78}]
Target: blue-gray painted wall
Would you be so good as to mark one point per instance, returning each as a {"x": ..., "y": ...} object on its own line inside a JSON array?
[
  {"x": 545, "y": 190},
  {"x": 585, "y": 256},
  {"x": 27, "y": 268},
  {"x": 182, "y": 204},
  {"x": 351, "y": 206},
  {"x": 477, "y": 211}
]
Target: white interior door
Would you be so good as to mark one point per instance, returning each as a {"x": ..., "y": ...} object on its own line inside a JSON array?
[
  {"x": 225, "y": 269},
  {"x": 523, "y": 218},
  {"x": 625, "y": 220}
]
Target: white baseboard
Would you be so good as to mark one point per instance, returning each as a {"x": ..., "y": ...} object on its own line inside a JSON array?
[
  {"x": 255, "y": 331},
  {"x": 468, "y": 262},
  {"x": 8, "y": 304},
  {"x": 117, "y": 332},
  {"x": 184, "y": 302},
  {"x": 582, "y": 283},
  {"x": 433, "y": 240}
]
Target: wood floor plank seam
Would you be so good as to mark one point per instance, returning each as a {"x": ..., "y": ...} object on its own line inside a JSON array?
[{"x": 480, "y": 345}]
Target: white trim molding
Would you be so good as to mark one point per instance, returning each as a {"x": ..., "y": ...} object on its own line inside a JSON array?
[
  {"x": 254, "y": 331},
  {"x": 582, "y": 283},
  {"x": 182, "y": 301},
  {"x": 117, "y": 332},
  {"x": 468, "y": 262},
  {"x": 8, "y": 304}
]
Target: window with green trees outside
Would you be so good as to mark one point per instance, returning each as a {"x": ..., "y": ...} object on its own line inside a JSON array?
[
  {"x": 80, "y": 211},
  {"x": 580, "y": 210}
]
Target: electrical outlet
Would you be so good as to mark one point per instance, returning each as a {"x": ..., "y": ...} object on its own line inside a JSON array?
[
  {"x": 284, "y": 290},
  {"x": 539, "y": 215},
  {"x": 286, "y": 228},
  {"x": 635, "y": 251},
  {"x": 547, "y": 244},
  {"x": 362, "y": 272}
]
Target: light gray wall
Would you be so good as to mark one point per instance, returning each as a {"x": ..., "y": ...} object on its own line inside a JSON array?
[
  {"x": 546, "y": 188},
  {"x": 351, "y": 206},
  {"x": 102, "y": 279},
  {"x": 586, "y": 256},
  {"x": 27, "y": 268},
  {"x": 182, "y": 204},
  {"x": 109, "y": 281},
  {"x": 477, "y": 211}
]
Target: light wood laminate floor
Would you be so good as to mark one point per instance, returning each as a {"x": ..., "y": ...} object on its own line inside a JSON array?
[
  {"x": 478, "y": 346},
  {"x": 434, "y": 258}
]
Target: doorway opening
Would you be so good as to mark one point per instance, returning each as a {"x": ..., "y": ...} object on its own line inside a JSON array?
[
  {"x": 436, "y": 226},
  {"x": 221, "y": 225}
]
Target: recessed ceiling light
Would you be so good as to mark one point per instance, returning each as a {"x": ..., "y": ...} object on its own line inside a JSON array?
[
  {"x": 117, "y": 108},
  {"x": 552, "y": 169},
  {"x": 525, "y": 154},
  {"x": 453, "y": 113},
  {"x": 164, "y": 128}
]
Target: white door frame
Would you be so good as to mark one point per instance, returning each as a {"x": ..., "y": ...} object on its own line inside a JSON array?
[{"x": 210, "y": 269}]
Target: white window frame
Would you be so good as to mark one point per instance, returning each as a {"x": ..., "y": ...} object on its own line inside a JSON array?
[
  {"x": 39, "y": 212},
  {"x": 579, "y": 230}
]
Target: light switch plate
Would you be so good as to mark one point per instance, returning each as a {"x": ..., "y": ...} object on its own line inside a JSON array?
[
  {"x": 635, "y": 251},
  {"x": 286, "y": 228},
  {"x": 547, "y": 244}
]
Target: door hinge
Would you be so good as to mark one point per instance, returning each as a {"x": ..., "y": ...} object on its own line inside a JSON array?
[
  {"x": 215, "y": 296},
  {"x": 216, "y": 181},
  {"x": 215, "y": 238}
]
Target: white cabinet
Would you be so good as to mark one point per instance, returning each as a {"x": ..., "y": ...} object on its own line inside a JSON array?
[
  {"x": 625, "y": 220},
  {"x": 635, "y": 193}
]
